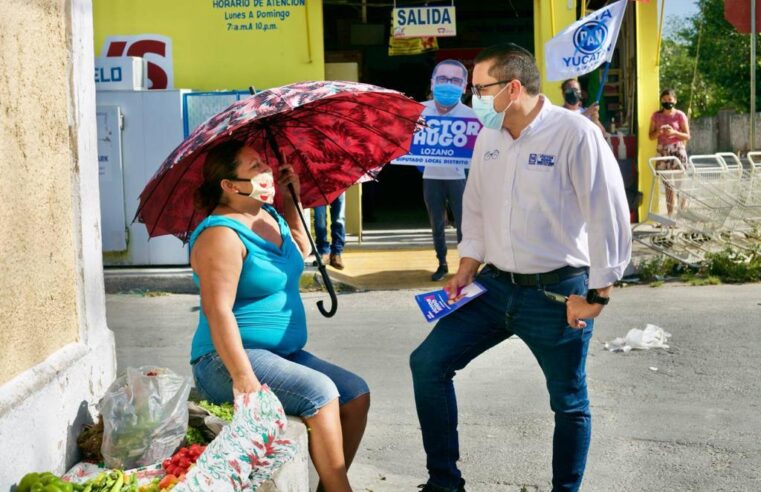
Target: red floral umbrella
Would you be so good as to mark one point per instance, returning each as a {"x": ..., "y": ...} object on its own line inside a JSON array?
[{"x": 332, "y": 133}]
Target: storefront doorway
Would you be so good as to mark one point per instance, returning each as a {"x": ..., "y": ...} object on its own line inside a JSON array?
[{"x": 361, "y": 35}]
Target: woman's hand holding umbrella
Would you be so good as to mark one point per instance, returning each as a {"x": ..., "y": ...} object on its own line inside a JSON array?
[
  {"x": 287, "y": 177},
  {"x": 289, "y": 188}
]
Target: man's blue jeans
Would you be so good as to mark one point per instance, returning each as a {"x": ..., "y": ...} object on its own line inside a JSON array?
[
  {"x": 503, "y": 311},
  {"x": 337, "y": 227}
]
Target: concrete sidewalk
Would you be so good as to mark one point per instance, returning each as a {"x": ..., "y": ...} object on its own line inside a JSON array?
[
  {"x": 683, "y": 419},
  {"x": 386, "y": 260}
]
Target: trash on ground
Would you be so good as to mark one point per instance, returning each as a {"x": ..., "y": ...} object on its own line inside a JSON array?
[{"x": 651, "y": 337}]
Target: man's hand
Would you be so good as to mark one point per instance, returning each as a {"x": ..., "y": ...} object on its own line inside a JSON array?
[
  {"x": 464, "y": 276},
  {"x": 578, "y": 309},
  {"x": 593, "y": 112}
]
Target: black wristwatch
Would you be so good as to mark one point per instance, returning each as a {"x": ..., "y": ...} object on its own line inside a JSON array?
[{"x": 594, "y": 298}]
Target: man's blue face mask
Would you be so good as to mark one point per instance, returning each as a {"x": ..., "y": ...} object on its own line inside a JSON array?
[
  {"x": 447, "y": 94},
  {"x": 483, "y": 106}
]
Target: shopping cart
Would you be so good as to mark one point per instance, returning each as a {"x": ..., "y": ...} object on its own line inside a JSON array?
[{"x": 701, "y": 209}]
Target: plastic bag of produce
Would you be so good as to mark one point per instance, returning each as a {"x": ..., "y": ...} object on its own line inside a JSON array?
[{"x": 145, "y": 417}]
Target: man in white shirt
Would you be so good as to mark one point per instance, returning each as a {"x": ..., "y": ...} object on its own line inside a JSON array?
[
  {"x": 572, "y": 101},
  {"x": 445, "y": 185},
  {"x": 545, "y": 210}
]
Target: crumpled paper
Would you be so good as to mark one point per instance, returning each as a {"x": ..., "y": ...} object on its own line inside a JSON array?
[
  {"x": 651, "y": 337},
  {"x": 247, "y": 452}
]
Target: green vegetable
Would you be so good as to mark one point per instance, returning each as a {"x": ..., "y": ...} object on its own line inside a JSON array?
[
  {"x": 25, "y": 484},
  {"x": 223, "y": 411},
  {"x": 43, "y": 482},
  {"x": 195, "y": 436}
]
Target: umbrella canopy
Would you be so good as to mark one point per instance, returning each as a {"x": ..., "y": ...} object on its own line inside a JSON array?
[{"x": 332, "y": 133}]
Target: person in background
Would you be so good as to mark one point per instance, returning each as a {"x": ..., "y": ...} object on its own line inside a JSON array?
[
  {"x": 247, "y": 260},
  {"x": 545, "y": 209},
  {"x": 671, "y": 128},
  {"x": 572, "y": 101},
  {"x": 444, "y": 185},
  {"x": 337, "y": 232}
]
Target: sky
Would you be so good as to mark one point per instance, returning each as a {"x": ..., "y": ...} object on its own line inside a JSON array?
[{"x": 680, "y": 8}]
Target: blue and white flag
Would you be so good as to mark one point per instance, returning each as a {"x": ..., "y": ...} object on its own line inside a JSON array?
[{"x": 586, "y": 44}]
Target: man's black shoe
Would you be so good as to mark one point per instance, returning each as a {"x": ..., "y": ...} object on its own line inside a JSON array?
[
  {"x": 429, "y": 487},
  {"x": 440, "y": 272}
]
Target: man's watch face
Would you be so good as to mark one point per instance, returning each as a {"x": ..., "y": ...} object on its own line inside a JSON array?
[{"x": 594, "y": 298}]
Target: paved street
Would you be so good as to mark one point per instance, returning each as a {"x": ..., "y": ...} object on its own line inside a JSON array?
[{"x": 691, "y": 423}]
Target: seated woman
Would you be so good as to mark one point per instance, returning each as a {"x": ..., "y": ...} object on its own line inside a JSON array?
[{"x": 247, "y": 260}]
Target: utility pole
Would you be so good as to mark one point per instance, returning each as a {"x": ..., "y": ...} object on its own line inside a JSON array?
[{"x": 752, "y": 141}]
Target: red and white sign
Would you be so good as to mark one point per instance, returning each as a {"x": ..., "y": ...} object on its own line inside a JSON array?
[
  {"x": 155, "y": 48},
  {"x": 737, "y": 13}
]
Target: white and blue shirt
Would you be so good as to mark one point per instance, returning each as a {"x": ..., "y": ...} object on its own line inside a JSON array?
[{"x": 550, "y": 198}]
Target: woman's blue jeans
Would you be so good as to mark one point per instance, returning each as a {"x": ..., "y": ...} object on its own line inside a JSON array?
[{"x": 503, "y": 311}]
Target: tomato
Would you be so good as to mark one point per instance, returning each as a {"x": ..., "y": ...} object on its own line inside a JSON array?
[{"x": 167, "y": 481}]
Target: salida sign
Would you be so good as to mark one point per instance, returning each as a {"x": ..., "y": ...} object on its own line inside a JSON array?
[{"x": 416, "y": 22}]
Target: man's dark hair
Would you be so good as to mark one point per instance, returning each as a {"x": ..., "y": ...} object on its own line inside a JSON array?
[
  {"x": 512, "y": 62},
  {"x": 453, "y": 63},
  {"x": 566, "y": 82}
]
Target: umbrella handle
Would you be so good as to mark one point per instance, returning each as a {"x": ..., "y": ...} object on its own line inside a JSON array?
[
  {"x": 331, "y": 292},
  {"x": 325, "y": 277}
]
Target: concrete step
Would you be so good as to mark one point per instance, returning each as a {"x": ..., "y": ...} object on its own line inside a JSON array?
[{"x": 294, "y": 475}]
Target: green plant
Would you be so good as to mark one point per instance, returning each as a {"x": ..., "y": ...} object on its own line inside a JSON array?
[
  {"x": 697, "y": 280},
  {"x": 660, "y": 267},
  {"x": 733, "y": 266}
]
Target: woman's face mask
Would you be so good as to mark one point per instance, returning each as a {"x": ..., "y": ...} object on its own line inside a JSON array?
[
  {"x": 447, "y": 94},
  {"x": 262, "y": 187},
  {"x": 667, "y": 105},
  {"x": 483, "y": 106}
]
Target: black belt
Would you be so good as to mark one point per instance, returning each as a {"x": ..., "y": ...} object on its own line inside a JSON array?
[{"x": 535, "y": 279}]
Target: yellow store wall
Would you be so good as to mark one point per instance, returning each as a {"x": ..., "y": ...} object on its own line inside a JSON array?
[
  {"x": 564, "y": 15},
  {"x": 208, "y": 55},
  {"x": 648, "y": 87}
]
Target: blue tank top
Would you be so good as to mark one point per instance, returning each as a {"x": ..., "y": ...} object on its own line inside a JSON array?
[{"x": 268, "y": 305}]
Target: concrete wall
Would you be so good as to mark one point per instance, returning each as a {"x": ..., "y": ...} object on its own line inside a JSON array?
[
  {"x": 726, "y": 132},
  {"x": 37, "y": 294},
  {"x": 739, "y": 133},
  {"x": 704, "y": 132},
  {"x": 58, "y": 354}
]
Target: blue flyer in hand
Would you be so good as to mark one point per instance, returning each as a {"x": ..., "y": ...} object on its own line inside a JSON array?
[{"x": 435, "y": 305}]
